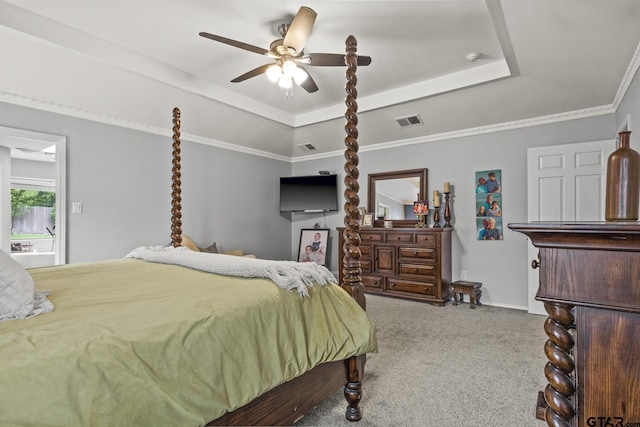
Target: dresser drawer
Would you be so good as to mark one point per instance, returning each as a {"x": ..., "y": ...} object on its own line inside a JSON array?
[
  {"x": 426, "y": 239},
  {"x": 372, "y": 281},
  {"x": 412, "y": 287},
  {"x": 420, "y": 253},
  {"x": 367, "y": 236},
  {"x": 399, "y": 237},
  {"x": 365, "y": 250},
  {"x": 420, "y": 270},
  {"x": 365, "y": 265}
]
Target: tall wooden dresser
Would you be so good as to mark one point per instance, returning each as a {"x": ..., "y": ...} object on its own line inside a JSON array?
[
  {"x": 590, "y": 286},
  {"x": 413, "y": 263}
]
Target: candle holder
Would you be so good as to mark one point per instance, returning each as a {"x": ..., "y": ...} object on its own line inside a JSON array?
[
  {"x": 447, "y": 210},
  {"x": 436, "y": 217}
]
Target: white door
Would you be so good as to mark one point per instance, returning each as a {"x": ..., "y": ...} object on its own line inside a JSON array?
[{"x": 565, "y": 183}]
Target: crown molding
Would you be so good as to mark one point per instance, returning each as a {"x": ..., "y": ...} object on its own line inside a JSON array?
[
  {"x": 52, "y": 107},
  {"x": 632, "y": 69},
  {"x": 498, "y": 127}
]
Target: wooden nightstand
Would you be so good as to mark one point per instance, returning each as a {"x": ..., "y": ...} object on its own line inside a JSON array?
[{"x": 462, "y": 287}]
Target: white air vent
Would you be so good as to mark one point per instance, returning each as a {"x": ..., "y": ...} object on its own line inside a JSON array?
[
  {"x": 407, "y": 121},
  {"x": 306, "y": 147}
]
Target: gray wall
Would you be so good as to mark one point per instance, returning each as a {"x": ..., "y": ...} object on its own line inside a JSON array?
[
  {"x": 123, "y": 178},
  {"x": 630, "y": 106},
  {"x": 501, "y": 265}
]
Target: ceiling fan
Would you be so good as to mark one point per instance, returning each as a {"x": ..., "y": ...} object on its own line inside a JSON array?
[{"x": 288, "y": 53}]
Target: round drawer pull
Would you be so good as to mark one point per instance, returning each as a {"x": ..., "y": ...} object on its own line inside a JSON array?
[{"x": 535, "y": 264}]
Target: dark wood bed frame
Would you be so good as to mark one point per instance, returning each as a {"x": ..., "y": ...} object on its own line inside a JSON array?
[{"x": 289, "y": 402}]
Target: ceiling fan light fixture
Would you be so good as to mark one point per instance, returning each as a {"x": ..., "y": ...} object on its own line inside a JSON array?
[
  {"x": 274, "y": 72},
  {"x": 285, "y": 82},
  {"x": 288, "y": 52},
  {"x": 299, "y": 75},
  {"x": 289, "y": 68}
]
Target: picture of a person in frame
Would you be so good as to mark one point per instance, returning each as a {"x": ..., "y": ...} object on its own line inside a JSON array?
[
  {"x": 492, "y": 183},
  {"x": 313, "y": 245}
]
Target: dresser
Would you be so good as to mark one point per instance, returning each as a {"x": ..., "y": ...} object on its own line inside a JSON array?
[
  {"x": 590, "y": 286},
  {"x": 413, "y": 263}
]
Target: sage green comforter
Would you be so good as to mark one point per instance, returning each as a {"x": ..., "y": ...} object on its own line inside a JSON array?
[{"x": 135, "y": 343}]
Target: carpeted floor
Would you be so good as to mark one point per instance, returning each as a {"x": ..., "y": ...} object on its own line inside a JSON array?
[{"x": 447, "y": 366}]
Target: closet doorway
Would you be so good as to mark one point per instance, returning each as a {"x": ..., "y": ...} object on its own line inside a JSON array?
[{"x": 33, "y": 161}]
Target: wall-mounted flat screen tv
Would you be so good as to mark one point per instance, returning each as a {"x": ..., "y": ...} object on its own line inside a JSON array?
[{"x": 315, "y": 193}]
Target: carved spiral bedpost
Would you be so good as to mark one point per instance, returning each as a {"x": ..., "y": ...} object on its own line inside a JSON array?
[
  {"x": 352, "y": 282},
  {"x": 560, "y": 366},
  {"x": 176, "y": 198}
]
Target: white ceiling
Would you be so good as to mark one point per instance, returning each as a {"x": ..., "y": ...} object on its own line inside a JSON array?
[{"x": 130, "y": 62}]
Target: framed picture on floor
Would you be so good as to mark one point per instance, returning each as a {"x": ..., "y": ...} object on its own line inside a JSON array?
[{"x": 313, "y": 245}]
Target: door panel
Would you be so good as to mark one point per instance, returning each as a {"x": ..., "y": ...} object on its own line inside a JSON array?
[
  {"x": 551, "y": 198},
  {"x": 385, "y": 259}
]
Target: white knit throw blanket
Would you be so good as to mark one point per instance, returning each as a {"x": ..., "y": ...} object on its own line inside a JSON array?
[{"x": 286, "y": 274}]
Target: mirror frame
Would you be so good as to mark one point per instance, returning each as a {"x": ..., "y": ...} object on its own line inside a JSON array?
[{"x": 421, "y": 174}]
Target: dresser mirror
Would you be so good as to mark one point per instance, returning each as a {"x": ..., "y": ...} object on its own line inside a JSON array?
[{"x": 391, "y": 196}]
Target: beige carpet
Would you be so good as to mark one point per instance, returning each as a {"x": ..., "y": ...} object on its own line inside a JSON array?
[{"x": 447, "y": 366}]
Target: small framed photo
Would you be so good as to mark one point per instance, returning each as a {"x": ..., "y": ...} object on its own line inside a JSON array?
[
  {"x": 313, "y": 245},
  {"x": 367, "y": 220},
  {"x": 362, "y": 211}
]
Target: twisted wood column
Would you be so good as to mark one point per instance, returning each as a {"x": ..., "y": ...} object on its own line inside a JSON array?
[
  {"x": 176, "y": 198},
  {"x": 352, "y": 282},
  {"x": 560, "y": 368}
]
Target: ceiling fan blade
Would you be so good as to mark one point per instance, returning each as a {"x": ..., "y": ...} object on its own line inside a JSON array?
[
  {"x": 235, "y": 43},
  {"x": 334, "y": 60},
  {"x": 308, "y": 84},
  {"x": 300, "y": 29},
  {"x": 255, "y": 72}
]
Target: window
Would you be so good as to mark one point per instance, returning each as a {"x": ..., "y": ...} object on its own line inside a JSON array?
[{"x": 33, "y": 213}]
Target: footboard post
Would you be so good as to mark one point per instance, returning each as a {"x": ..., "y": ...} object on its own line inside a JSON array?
[
  {"x": 353, "y": 390},
  {"x": 352, "y": 282},
  {"x": 176, "y": 199}
]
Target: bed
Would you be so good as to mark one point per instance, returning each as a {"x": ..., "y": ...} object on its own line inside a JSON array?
[{"x": 144, "y": 341}]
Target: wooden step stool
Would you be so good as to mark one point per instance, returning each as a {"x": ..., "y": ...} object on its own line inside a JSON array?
[{"x": 462, "y": 287}]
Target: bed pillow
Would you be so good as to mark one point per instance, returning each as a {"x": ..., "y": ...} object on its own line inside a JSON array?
[
  {"x": 235, "y": 252},
  {"x": 187, "y": 242},
  {"x": 17, "y": 289},
  {"x": 212, "y": 249}
]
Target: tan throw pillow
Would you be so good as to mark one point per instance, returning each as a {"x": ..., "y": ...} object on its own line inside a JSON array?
[
  {"x": 212, "y": 248},
  {"x": 236, "y": 252},
  {"x": 187, "y": 242}
]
